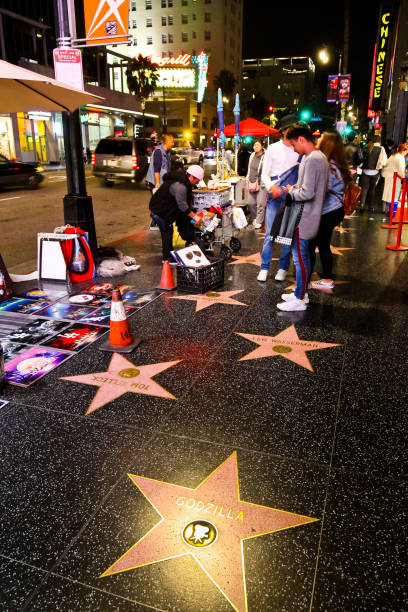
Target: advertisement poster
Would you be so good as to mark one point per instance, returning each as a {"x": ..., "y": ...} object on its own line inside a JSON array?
[
  {"x": 344, "y": 87},
  {"x": 23, "y": 305},
  {"x": 44, "y": 294},
  {"x": 139, "y": 299},
  {"x": 66, "y": 311},
  {"x": 32, "y": 365},
  {"x": 12, "y": 349},
  {"x": 36, "y": 331},
  {"x": 332, "y": 84},
  {"x": 76, "y": 337},
  {"x": 101, "y": 316}
]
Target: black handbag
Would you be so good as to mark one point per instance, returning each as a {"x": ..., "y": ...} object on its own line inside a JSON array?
[{"x": 286, "y": 221}]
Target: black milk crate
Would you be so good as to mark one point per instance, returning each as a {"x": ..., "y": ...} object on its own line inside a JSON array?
[{"x": 201, "y": 280}]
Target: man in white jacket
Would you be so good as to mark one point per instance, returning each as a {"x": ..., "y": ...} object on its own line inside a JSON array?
[{"x": 279, "y": 159}]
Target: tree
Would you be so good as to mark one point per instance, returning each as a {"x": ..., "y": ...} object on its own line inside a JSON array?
[
  {"x": 142, "y": 77},
  {"x": 225, "y": 81}
]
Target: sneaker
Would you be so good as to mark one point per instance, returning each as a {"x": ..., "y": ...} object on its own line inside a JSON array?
[
  {"x": 257, "y": 225},
  {"x": 154, "y": 228},
  {"x": 293, "y": 304},
  {"x": 281, "y": 275},
  {"x": 323, "y": 284},
  {"x": 262, "y": 276},
  {"x": 287, "y": 297}
]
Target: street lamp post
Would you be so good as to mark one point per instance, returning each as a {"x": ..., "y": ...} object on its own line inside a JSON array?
[{"x": 78, "y": 208}]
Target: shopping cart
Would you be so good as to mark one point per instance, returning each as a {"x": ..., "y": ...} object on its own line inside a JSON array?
[{"x": 216, "y": 210}]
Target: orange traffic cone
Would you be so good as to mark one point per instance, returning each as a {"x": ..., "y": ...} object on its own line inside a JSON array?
[
  {"x": 397, "y": 215},
  {"x": 167, "y": 282},
  {"x": 120, "y": 336}
]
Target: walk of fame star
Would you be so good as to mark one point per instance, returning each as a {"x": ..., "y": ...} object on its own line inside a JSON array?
[
  {"x": 209, "y": 523},
  {"x": 286, "y": 344},
  {"x": 339, "y": 250},
  {"x": 212, "y": 297},
  {"x": 122, "y": 377},
  {"x": 254, "y": 259},
  {"x": 344, "y": 230}
]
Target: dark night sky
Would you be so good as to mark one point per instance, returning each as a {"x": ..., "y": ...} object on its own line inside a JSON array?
[{"x": 301, "y": 28}]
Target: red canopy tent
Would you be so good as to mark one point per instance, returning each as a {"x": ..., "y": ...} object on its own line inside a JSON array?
[{"x": 250, "y": 127}]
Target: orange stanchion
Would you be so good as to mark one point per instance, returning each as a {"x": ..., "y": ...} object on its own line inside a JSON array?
[
  {"x": 391, "y": 222},
  {"x": 398, "y": 246},
  {"x": 401, "y": 213},
  {"x": 120, "y": 336},
  {"x": 167, "y": 282}
]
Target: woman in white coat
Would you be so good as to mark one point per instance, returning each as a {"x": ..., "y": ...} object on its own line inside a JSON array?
[{"x": 395, "y": 163}]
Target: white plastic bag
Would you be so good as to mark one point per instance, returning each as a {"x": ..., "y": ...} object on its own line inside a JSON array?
[{"x": 238, "y": 217}]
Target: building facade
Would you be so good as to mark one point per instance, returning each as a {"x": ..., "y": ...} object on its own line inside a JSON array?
[{"x": 283, "y": 81}]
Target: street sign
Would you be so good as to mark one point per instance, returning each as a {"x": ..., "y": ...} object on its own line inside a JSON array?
[
  {"x": 316, "y": 119},
  {"x": 68, "y": 67},
  {"x": 106, "y": 21}
]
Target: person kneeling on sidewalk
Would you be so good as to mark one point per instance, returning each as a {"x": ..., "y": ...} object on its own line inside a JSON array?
[
  {"x": 172, "y": 203},
  {"x": 310, "y": 190}
]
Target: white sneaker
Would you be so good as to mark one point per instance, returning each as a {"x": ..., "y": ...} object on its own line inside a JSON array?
[
  {"x": 280, "y": 275},
  {"x": 287, "y": 297},
  {"x": 292, "y": 305},
  {"x": 257, "y": 225},
  {"x": 262, "y": 276}
]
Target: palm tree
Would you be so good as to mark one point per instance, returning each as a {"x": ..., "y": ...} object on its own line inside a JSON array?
[
  {"x": 142, "y": 77},
  {"x": 225, "y": 81}
]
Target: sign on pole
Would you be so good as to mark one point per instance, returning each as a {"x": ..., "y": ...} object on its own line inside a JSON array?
[
  {"x": 106, "y": 21},
  {"x": 338, "y": 87},
  {"x": 383, "y": 52},
  {"x": 68, "y": 67}
]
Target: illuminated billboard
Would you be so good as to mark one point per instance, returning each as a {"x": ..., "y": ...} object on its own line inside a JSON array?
[
  {"x": 177, "y": 78},
  {"x": 382, "y": 56}
]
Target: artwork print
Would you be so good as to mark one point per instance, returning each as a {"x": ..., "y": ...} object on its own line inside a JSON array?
[{"x": 32, "y": 365}]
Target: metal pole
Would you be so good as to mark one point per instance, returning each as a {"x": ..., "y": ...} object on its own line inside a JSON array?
[
  {"x": 78, "y": 208},
  {"x": 164, "y": 111},
  {"x": 337, "y": 96}
]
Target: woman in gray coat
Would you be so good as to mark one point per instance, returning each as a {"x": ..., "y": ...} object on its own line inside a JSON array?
[{"x": 256, "y": 189}]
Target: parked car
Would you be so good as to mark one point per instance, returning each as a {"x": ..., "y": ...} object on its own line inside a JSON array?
[
  {"x": 121, "y": 158},
  {"x": 209, "y": 153},
  {"x": 15, "y": 173},
  {"x": 190, "y": 155}
]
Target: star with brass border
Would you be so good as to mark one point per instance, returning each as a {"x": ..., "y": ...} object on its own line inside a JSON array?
[{"x": 210, "y": 298}]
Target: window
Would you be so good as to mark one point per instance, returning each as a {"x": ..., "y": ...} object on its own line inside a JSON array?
[
  {"x": 170, "y": 38},
  {"x": 194, "y": 36},
  {"x": 207, "y": 17},
  {"x": 171, "y": 52},
  {"x": 163, "y": 21},
  {"x": 194, "y": 17},
  {"x": 170, "y": 20},
  {"x": 164, "y": 38},
  {"x": 148, "y": 4},
  {"x": 207, "y": 35},
  {"x": 204, "y": 124},
  {"x": 133, "y": 5},
  {"x": 134, "y": 40},
  {"x": 184, "y": 19},
  {"x": 184, "y": 2},
  {"x": 134, "y": 23},
  {"x": 207, "y": 1},
  {"x": 163, "y": 3},
  {"x": 184, "y": 37},
  {"x": 170, "y": 3},
  {"x": 195, "y": 121},
  {"x": 149, "y": 40},
  {"x": 149, "y": 22}
]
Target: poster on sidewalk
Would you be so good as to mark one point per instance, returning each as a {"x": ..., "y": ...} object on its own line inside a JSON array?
[
  {"x": 37, "y": 361},
  {"x": 35, "y": 331},
  {"x": 76, "y": 337}
]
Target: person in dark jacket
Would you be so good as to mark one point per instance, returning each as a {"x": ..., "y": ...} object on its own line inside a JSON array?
[{"x": 172, "y": 203}]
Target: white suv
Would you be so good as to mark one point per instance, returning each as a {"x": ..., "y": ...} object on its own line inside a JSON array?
[{"x": 190, "y": 155}]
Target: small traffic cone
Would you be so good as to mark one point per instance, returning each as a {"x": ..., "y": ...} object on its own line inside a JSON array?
[
  {"x": 167, "y": 282},
  {"x": 120, "y": 336},
  {"x": 397, "y": 215}
]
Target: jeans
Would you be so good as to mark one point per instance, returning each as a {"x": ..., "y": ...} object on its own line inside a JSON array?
[
  {"x": 368, "y": 183},
  {"x": 322, "y": 241},
  {"x": 272, "y": 207},
  {"x": 301, "y": 259},
  {"x": 184, "y": 226}
]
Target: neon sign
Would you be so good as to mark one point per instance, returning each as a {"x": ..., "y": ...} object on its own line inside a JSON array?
[
  {"x": 382, "y": 50},
  {"x": 180, "y": 78},
  {"x": 180, "y": 60},
  {"x": 202, "y": 62}
]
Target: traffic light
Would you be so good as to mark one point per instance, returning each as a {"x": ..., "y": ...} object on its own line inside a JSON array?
[
  {"x": 247, "y": 139},
  {"x": 270, "y": 108},
  {"x": 348, "y": 130},
  {"x": 305, "y": 115}
]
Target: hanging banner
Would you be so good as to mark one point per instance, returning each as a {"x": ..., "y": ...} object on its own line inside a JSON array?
[
  {"x": 332, "y": 83},
  {"x": 343, "y": 90},
  {"x": 106, "y": 21},
  {"x": 382, "y": 56}
]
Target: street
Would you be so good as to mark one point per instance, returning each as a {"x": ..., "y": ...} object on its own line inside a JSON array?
[{"x": 119, "y": 211}]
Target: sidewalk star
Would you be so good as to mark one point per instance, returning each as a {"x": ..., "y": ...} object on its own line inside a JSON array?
[
  {"x": 122, "y": 377},
  {"x": 211, "y": 298},
  {"x": 209, "y": 523},
  {"x": 254, "y": 259},
  {"x": 286, "y": 344}
]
